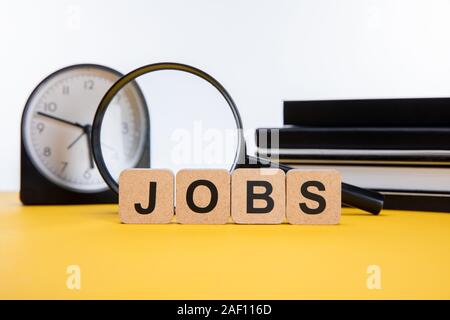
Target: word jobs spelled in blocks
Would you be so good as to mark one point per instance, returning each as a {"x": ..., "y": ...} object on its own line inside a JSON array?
[{"x": 249, "y": 196}]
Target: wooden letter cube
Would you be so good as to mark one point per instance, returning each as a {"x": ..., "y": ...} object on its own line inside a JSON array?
[
  {"x": 313, "y": 196},
  {"x": 146, "y": 196},
  {"x": 203, "y": 196},
  {"x": 258, "y": 196}
]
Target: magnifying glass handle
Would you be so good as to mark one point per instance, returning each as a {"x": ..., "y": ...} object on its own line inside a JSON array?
[{"x": 353, "y": 196}]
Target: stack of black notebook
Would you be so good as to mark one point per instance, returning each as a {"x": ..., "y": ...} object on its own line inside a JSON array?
[{"x": 400, "y": 147}]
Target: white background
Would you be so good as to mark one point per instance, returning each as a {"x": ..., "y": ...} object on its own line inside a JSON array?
[{"x": 262, "y": 51}]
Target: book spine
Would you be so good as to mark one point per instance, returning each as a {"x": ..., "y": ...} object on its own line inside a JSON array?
[
  {"x": 417, "y": 202},
  {"x": 354, "y": 138}
]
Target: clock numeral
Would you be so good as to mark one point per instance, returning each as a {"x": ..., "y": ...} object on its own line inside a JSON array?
[
  {"x": 47, "y": 152},
  {"x": 87, "y": 174},
  {"x": 89, "y": 84},
  {"x": 64, "y": 166},
  {"x": 125, "y": 127},
  {"x": 65, "y": 90},
  {"x": 40, "y": 127},
  {"x": 50, "y": 107}
]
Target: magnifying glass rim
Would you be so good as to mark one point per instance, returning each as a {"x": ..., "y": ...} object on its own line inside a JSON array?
[{"x": 123, "y": 81}]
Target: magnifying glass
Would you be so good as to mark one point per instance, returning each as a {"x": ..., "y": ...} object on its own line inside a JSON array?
[{"x": 192, "y": 123}]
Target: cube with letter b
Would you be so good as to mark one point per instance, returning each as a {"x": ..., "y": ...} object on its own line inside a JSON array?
[
  {"x": 146, "y": 196},
  {"x": 313, "y": 196},
  {"x": 258, "y": 196},
  {"x": 203, "y": 196}
]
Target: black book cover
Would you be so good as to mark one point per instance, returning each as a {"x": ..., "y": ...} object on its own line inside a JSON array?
[
  {"x": 365, "y": 138},
  {"x": 417, "y": 202},
  {"x": 404, "y": 112}
]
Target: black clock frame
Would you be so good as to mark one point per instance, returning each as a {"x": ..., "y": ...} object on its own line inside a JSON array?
[{"x": 36, "y": 189}]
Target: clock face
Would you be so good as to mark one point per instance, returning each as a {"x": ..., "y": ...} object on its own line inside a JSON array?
[{"x": 57, "y": 122}]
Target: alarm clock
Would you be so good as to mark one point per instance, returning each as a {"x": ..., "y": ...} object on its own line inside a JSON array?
[{"x": 57, "y": 164}]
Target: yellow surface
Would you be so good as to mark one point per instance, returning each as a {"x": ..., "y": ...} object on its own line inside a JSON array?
[{"x": 208, "y": 262}]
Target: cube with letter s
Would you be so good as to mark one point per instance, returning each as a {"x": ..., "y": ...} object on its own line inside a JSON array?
[{"x": 313, "y": 196}]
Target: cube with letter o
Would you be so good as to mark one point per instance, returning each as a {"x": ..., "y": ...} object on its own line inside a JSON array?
[{"x": 202, "y": 196}]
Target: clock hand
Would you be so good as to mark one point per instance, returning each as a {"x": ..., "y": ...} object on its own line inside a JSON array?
[
  {"x": 88, "y": 130},
  {"x": 75, "y": 124},
  {"x": 75, "y": 141}
]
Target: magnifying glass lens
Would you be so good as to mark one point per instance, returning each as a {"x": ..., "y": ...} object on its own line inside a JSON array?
[
  {"x": 168, "y": 119},
  {"x": 173, "y": 116}
]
